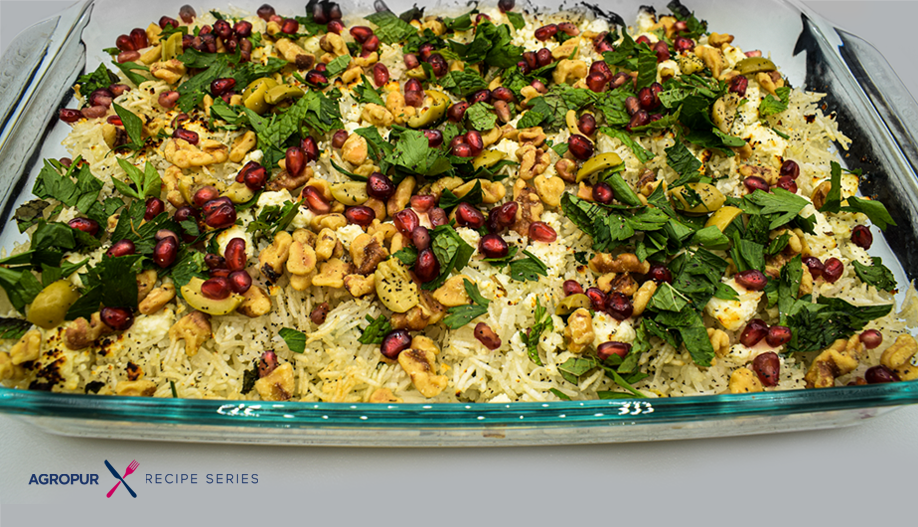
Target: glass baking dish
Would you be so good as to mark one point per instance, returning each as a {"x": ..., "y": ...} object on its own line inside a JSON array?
[{"x": 874, "y": 109}]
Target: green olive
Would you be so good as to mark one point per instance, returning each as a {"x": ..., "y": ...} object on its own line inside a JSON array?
[
  {"x": 488, "y": 159},
  {"x": 191, "y": 292},
  {"x": 394, "y": 286},
  {"x": 282, "y": 92},
  {"x": 433, "y": 111},
  {"x": 350, "y": 193},
  {"x": 172, "y": 47},
  {"x": 417, "y": 73},
  {"x": 711, "y": 198},
  {"x": 754, "y": 65},
  {"x": 239, "y": 193},
  {"x": 51, "y": 305},
  {"x": 598, "y": 164},
  {"x": 572, "y": 303},
  {"x": 253, "y": 97},
  {"x": 723, "y": 217}
]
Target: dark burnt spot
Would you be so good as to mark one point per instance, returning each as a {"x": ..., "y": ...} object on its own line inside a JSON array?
[
  {"x": 269, "y": 273},
  {"x": 134, "y": 371},
  {"x": 93, "y": 387}
]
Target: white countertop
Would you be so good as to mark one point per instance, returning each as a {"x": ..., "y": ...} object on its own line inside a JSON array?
[{"x": 854, "y": 475}]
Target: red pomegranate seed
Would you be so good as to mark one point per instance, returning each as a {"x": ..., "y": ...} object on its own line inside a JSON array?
[
  {"x": 791, "y": 169},
  {"x": 456, "y": 112},
  {"x": 167, "y": 99},
  {"x": 661, "y": 50},
  {"x": 119, "y": 89},
  {"x": 660, "y": 274},
  {"x": 406, "y": 221},
  {"x": 816, "y": 267},
  {"x": 394, "y": 343},
  {"x": 738, "y": 85},
  {"x": 414, "y": 98},
  {"x": 186, "y": 135},
  {"x": 69, "y": 116},
  {"x": 223, "y": 29},
  {"x": 833, "y": 271},
  {"x": 753, "y": 183},
  {"x": 216, "y": 288},
  {"x": 94, "y": 112},
  {"x": 335, "y": 26},
  {"x": 265, "y": 12},
  {"x": 523, "y": 67},
  {"x": 380, "y": 74},
  {"x": 316, "y": 78},
  {"x": 187, "y": 14},
  {"x": 380, "y": 187},
  {"x": 603, "y": 193},
  {"x": 361, "y": 33},
  {"x": 475, "y": 142},
  {"x": 411, "y": 61},
  {"x": 319, "y": 314},
  {"x": 682, "y": 45},
  {"x": 222, "y": 86},
  {"x": 437, "y": 217},
  {"x": 310, "y": 149},
  {"x": 580, "y": 147},
  {"x": 619, "y": 306},
  {"x": 754, "y": 332},
  {"x": 253, "y": 175},
  {"x": 469, "y": 216},
  {"x": 240, "y": 281},
  {"x": 223, "y": 217},
  {"x": 787, "y": 183},
  {"x": 117, "y": 318},
  {"x": 339, "y": 138},
  {"x": 752, "y": 279},
  {"x": 162, "y": 234},
  {"x": 234, "y": 254},
  {"x": 546, "y": 32},
  {"x": 607, "y": 349},
  {"x": 165, "y": 252},
  {"x": 543, "y": 57},
  {"x": 499, "y": 218},
  {"x": 587, "y": 124},
  {"x": 481, "y": 96},
  {"x": 871, "y": 338},
  {"x": 155, "y": 207},
  {"x": 420, "y": 237},
  {"x": 502, "y": 94},
  {"x": 597, "y": 298},
  {"x": 778, "y": 336},
  {"x": 121, "y": 248},
  {"x": 439, "y": 65},
  {"x": 506, "y": 5},
  {"x": 295, "y": 161},
  {"x": 462, "y": 150},
  {"x": 862, "y": 237},
  {"x": 493, "y": 246},
  {"x": 185, "y": 213},
  {"x": 360, "y": 215},
  {"x": 541, "y": 232},
  {"x": 619, "y": 80},
  {"x": 101, "y": 97},
  {"x": 642, "y": 40},
  {"x": 168, "y": 21},
  {"x": 423, "y": 202},
  {"x": 434, "y": 138},
  {"x": 487, "y": 336},
  {"x": 427, "y": 268},
  {"x": 214, "y": 261},
  {"x": 243, "y": 28},
  {"x": 571, "y": 287},
  {"x": 316, "y": 201},
  {"x": 647, "y": 99},
  {"x": 880, "y": 374},
  {"x": 124, "y": 43},
  {"x": 372, "y": 44},
  {"x": 291, "y": 26},
  {"x": 89, "y": 226},
  {"x": 640, "y": 118},
  {"x": 767, "y": 366}
]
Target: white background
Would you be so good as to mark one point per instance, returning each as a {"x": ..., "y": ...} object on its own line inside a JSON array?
[{"x": 858, "y": 475}]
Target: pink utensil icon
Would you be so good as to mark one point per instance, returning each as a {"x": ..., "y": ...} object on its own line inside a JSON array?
[{"x": 130, "y": 470}]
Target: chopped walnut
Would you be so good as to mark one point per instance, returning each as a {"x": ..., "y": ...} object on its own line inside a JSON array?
[
  {"x": 135, "y": 388},
  {"x": 452, "y": 293},
  {"x": 643, "y": 296},
  {"x": 27, "y": 349},
  {"x": 384, "y": 395},
  {"x": 332, "y": 273},
  {"x": 194, "y": 328},
  {"x": 359, "y": 285},
  {"x": 840, "y": 358},
  {"x": 421, "y": 366},
  {"x": 898, "y": 357},
  {"x": 170, "y": 71},
  {"x": 277, "y": 385},
  {"x": 157, "y": 298},
  {"x": 256, "y": 302},
  {"x": 744, "y": 380},
  {"x": 272, "y": 258},
  {"x": 146, "y": 280},
  {"x": 623, "y": 263},
  {"x": 720, "y": 341},
  {"x": 579, "y": 330}
]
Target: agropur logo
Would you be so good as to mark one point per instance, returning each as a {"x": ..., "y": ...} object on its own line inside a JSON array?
[{"x": 88, "y": 479}]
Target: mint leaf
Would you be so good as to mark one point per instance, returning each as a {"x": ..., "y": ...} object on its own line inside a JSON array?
[
  {"x": 463, "y": 83},
  {"x": 98, "y": 79},
  {"x": 531, "y": 336},
  {"x": 376, "y": 331},
  {"x": 366, "y": 93},
  {"x": 833, "y": 198},
  {"x": 816, "y": 326},
  {"x": 480, "y": 117},
  {"x": 772, "y": 105},
  {"x": 516, "y": 20},
  {"x": 407, "y": 255},
  {"x": 642, "y": 154},
  {"x": 296, "y": 340},
  {"x": 681, "y": 159},
  {"x": 132, "y": 125},
  {"x": 13, "y": 328},
  {"x": 528, "y": 269},
  {"x": 129, "y": 69},
  {"x": 338, "y": 65},
  {"x": 874, "y": 210},
  {"x": 530, "y": 119},
  {"x": 877, "y": 275},
  {"x": 667, "y": 299},
  {"x": 414, "y": 154},
  {"x": 782, "y": 204},
  {"x": 391, "y": 29},
  {"x": 451, "y": 251}
]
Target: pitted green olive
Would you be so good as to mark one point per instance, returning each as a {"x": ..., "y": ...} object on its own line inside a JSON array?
[
  {"x": 394, "y": 286},
  {"x": 172, "y": 46},
  {"x": 239, "y": 193},
  {"x": 572, "y": 303},
  {"x": 51, "y": 305},
  {"x": 711, "y": 198},
  {"x": 416, "y": 73},
  {"x": 723, "y": 217},
  {"x": 281, "y": 93},
  {"x": 191, "y": 292},
  {"x": 350, "y": 193},
  {"x": 488, "y": 159},
  {"x": 253, "y": 97},
  {"x": 598, "y": 164},
  {"x": 752, "y": 65},
  {"x": 434, "y": 109}
]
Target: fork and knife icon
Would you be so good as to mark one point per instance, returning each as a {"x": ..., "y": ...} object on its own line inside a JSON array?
[{"x": 130, "y": 470}]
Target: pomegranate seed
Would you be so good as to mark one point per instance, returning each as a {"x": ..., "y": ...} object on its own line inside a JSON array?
[
  {"x": 502, "y": 94},
  {"x": 162, "y": 234},
  {"x": 487, "y": 336},
  {"x": 361, "y": 33},
  {"x": 543, "y": 57},
  {"x": 121, "y": 248},
  {"x": 168, "y": 21},
  {"x": 833, "y": 271},
  {"x": 596, "y": 82},
  {"x": 318, "y": 13},
  {"x": 767, "y": 366},
  {"x": 124, "y": 43},
  {"x": 118, "y": 89},
  {"x": 406, "y": 221},
  {"x": 319, "y": 314},
  {"x": 640, "y": 118},
  {"x": 862, "y": 237},
  {"x": 334, "y": 11},
  {"x": 493, "y": 246},
  {"x": 506, "y": 5},
  {"x": 216, "y": 288},
  {"x": 540, "y": 232},
  {"x": 681, "y": 26},
  {"x": 295, "y": 161},
  {"x": 778, "y": 336},
  {"x": 462, "y": 150},
  {"x": 69, "y": 116},
  {"x": 439, "y": 65},
  {"x": 214, "y": 261},
  {"x": 316, "y": 201},
  {"x": 291, "y": 26},
  {"x": 500, "y": 218},
  {"x": 186, "y": 135},
  {"x": 223, "y": 217},
  {"x": 791, "y": 169},
  {"x": 682, "y": 45},
  {"x": 880, "y": 374},
  {"x": 539, "y": 86},
  {"x": 427, "y": 268},
  {"x": 816, "y": 267},
  {"x": 754, "y": 183},
  {"x": 101, "y": 97},
  {"x": 426, "y": 51},
  {"x": 457, "y": 111},
  {"x": 661, "y": 50},
  {"x": 481, "y": 96},
  {"x": 380, "y": 187},
  {"x": 580, "y": 147},
  {"x": 602, "y": 193},
  {"x": 155, "y": 207},
  {"x": 223, "y": 29},
  {"x": 420, "y": 237},
  {"x": 89, "y": 226},
  {"x": 184, "y": 213},
  {"x": 871, "y": 338},
  {"x": 738, "y": 85},
  {"x": 642, "y": 40},
  {"x": 335, "y": 26},
  {"x": 117, "y": 318},
  {"x": 167, "y": 99},
  {"x": 165, "y": 252},
  {"x": 571, "y": 287},
  {"x": 587, "y": 124},
  {"x": 787, "y": 183},
  {"x": 475, "y": 142},
  {"x": 607, "y": 349},
  {"x": 234, "y": 254},
  {"x": 187, "y": 14},
  {"x": 523, "y": 67},
  {"x": 316, "y": 78},
  {"x": 619, "y": 306},
  {"x": 569, "y": 28},
  {"x": 754, "y": 53},
  {"x": 310, "y": 149},
  {"x": 647, "y": 99},
  {"x": 754, "y": 332},
  {"x": 372, "y": 44},
  {"x": 752, "y": 279},
  {"x": 468, "y": 216},
  {"x": 360, "y": 215},
  {"x": 380, "y": 74},
  {"x": 339, "y": 138},
  {"x": 619, "y": 80},
  {"x": 253, "y": 175},
  {"x": 94, "y": 112},
  {"x": 422, "y": 202},
  {"x": 437, "y": 217},
  {"x": 597, "y": 298},
  {"x": 414, "y": 98},
  {"x": 65, "y": 161},
  {"x": 546, "y": 32},
  {"x": 243, "y": 28},
  {"x": 240, "y": 281},
  {"x": 221, "y": 86},
  {"x": 265, "y": 12},
  {"x": 411, "y": 61},
  {"x": 267, "y": 364},
  {"x": 434, "y": 138},
  {"x": 394, "y": 343},
  {"x": 660, "y": 274},
  {"x": 601, "y": 68}
]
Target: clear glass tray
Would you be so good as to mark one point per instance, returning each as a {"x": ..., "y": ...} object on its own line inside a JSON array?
[{"x": 874, "y": 109}]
